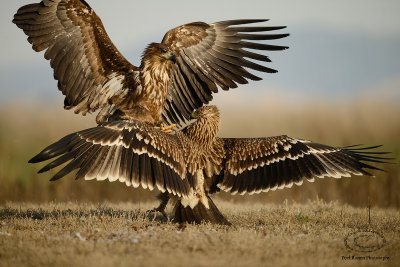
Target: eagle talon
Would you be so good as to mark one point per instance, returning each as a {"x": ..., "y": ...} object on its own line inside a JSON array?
[
  {"x": 158, "y": 209},
  {"x": 166, "y": 129},
  {"x": 163, "y": 198}
]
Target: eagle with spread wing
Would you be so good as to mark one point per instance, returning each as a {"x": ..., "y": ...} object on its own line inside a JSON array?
[
  {"x": 175, "y": 77},
  {"x": 194, "y": 163}
]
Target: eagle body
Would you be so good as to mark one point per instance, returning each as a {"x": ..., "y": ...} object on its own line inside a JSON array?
[{"x": 203, "y": 152}]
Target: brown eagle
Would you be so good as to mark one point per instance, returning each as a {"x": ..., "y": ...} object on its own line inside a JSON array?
[
  {"x": 175, "y": 77},
  {"x": 194, "y": 163}
]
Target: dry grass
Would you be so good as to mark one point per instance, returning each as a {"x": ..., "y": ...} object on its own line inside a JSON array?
[{"x": 289, "y": 234}]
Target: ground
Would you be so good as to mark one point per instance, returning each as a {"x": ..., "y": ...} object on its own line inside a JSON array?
[{"x": 109, "y": 234}]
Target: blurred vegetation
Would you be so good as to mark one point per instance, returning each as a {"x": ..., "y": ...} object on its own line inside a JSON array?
[{"x": 25, "y": 129}]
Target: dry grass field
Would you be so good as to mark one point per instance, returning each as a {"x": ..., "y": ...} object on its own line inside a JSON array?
[{"x": 289, "y": 234}]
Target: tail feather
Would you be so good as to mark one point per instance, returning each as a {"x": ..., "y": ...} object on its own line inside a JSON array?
[{"x": 199, "y": 213}]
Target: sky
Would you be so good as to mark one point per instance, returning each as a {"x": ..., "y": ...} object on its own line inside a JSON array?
[{"x": 338, "y": 49}]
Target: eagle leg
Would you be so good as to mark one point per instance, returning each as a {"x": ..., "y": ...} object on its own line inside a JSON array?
[
  {"x": 163, "y": 198},
  {"x": 166, "y": 129}
]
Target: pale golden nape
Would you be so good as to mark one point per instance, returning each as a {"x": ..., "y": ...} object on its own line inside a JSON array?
[{"x": 204, "y": 131}]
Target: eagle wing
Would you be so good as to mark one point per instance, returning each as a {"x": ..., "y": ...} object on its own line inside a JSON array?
[
  {"x": 261, "y": 164},
  {"x": 90, "y": 70},
  {"x": 211, "y": 56},
  {"x": 128, "y": 151}
]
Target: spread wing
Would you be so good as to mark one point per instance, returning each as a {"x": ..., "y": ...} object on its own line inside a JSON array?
[
  {"x": 128, "y": 151},
  {"x": 262, "y": 164},
  {"x": 90, "y": 70},
  {"x": 211, "y": 56}
]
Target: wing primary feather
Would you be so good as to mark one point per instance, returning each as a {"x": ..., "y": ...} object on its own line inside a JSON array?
[
  {"x": 239, "y": 21},
  {"x": 193, "y": 99},
  {"x": 104, "y": 168},
  {"x": 114, "y": 167},
  {"x": 146, "y": 172},
  {"x": 64, "y": 158},
  {"x": 275, "y": 174},
  {"x": 262, "y": 46},
  {"x": 361, "y": 148},
  {"x": 210, "y": 73},
  {"x": 74, "y": 154},
  {"x": 174, "y": 181},
  {"x": 180, "y": 184},
  {"x": 285, "y": 173},
  {"x": 87, "y": 161},
  {"x": 204, "y": 70},
  {"x": 181, "y": 94},
  {"x": 124, "y": 168},
  {"x": 319, "y": 168},
  {"x": 250, "y": 185},
  {"x": 262, "y": 36},
  {"x": 54, "y": 150},
  {"x": 240, "y": 53},
  {"x": 97, "y": 163},
  {"x": 232, "y": 66},
  {"x": 302, "y": 166},
  {"x": 225, "y": 71},
  {"x": 169, "y": 181},
  {"x": 265, "y": 180},
  {"x": 243, "y": 181},
  {"x": 136, "y": 170},
  {"x": 256, "y": 29},
  {"x": 258, "y": 179},
  {"x": 64, "y": 171},
  {"x": 62, "y": 60},
  {"x": 227, "y": 182},
  {"x": 157, "y": 174}
]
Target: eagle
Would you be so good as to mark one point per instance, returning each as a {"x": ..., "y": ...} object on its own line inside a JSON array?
[
  {"x": 176, "y": 76},
  {"x": 192, "y": 164}
]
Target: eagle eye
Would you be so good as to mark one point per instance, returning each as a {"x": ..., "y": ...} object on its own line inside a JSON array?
[{"x": 163, "y": 50}]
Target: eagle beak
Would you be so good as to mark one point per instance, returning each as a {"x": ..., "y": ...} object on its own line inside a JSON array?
[
  {"x": 194, "y": 115},
  {"x": 170, "y": 56}
]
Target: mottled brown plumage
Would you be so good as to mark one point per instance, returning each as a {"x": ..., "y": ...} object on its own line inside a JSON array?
[
  {"x": 194, "y": 163},
  {"x": 175, "y": 77}
]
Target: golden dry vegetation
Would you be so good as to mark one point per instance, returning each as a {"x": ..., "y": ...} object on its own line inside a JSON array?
[{"x": 289, "y": 234}]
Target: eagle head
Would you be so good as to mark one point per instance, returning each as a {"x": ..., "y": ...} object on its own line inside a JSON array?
[
  {"x": 159, "y": 53},
  {"x": 206, "y": 112}
]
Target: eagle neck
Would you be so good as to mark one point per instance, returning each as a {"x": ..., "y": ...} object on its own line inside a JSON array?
[
  {"x": 154, "y": 79},
  {"x": 204, "y": 131}
]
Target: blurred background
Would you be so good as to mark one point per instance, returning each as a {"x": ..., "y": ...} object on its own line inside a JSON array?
[{"x": 338, "y": 84}]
